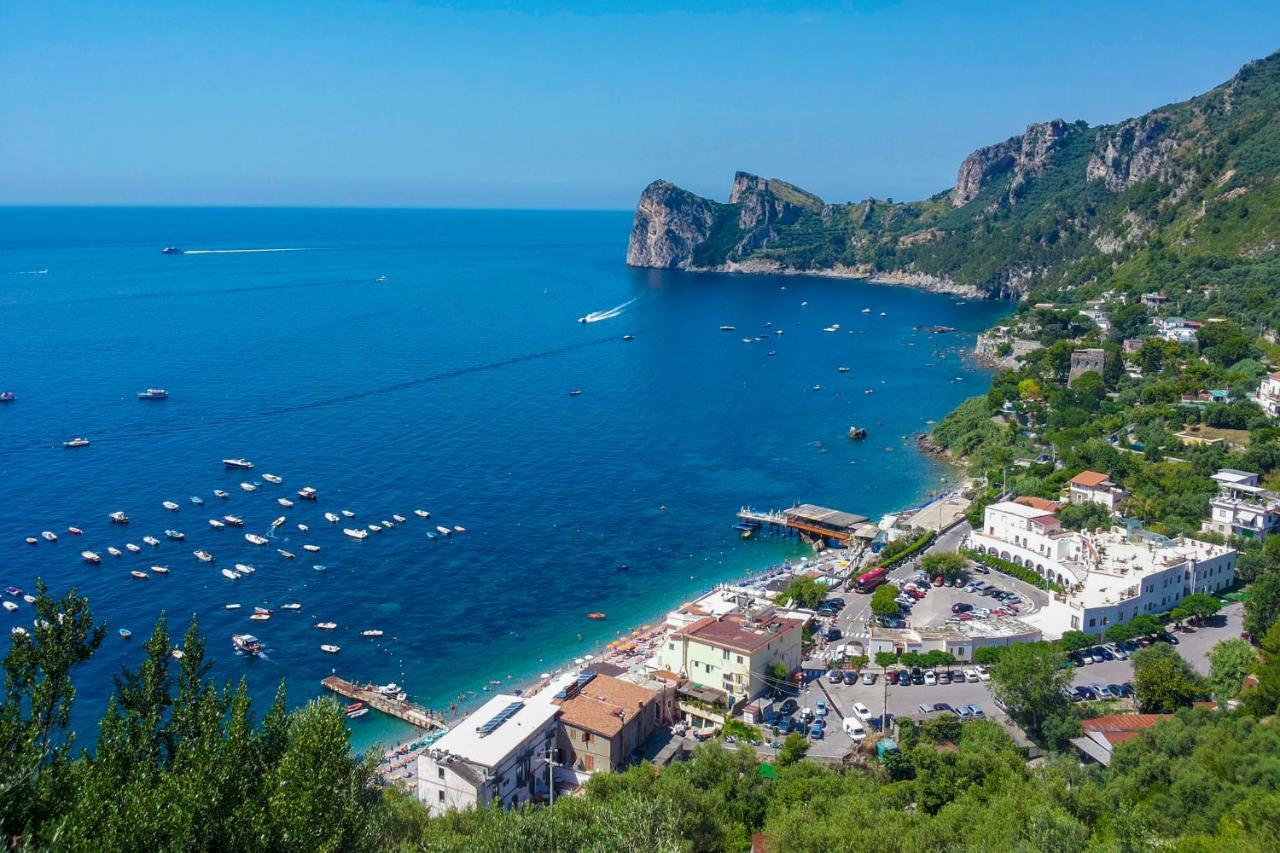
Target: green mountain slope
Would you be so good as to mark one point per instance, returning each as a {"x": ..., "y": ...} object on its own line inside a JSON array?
[{"x": 1187, "y": 194}]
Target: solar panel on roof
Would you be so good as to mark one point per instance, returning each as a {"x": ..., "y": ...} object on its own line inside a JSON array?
[
  {"x": 574, "y": 689},
  {"x": 500, "y": 718}
]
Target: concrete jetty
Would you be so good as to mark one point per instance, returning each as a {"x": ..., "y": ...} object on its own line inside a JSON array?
[{"x": 403, "y": 709}]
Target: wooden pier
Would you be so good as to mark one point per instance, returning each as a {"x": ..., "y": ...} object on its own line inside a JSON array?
[
  {"x": 410, "y": 712},
  {"x": 812, "y": 522}
]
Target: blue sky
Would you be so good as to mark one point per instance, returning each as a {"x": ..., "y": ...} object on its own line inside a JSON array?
[{"x": 489, "y": 104}]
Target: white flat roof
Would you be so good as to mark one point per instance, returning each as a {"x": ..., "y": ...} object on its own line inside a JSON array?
[
  {"x": 1020, "y": 510},
  {"x": 465, "y": 741}
]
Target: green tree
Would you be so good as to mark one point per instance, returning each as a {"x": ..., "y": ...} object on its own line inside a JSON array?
[
  {"x": 1264, "y": 699},
  {"x": 1029, "y": 680},
  {"x": 1074, "y": 640},
  {"x": 1163, "y": 680},
  {"x": 1197, "y": 608},
  {"x": 804, "y": 592},
  {"x": 947, "y": 564},
  {"x": 1085, "y": 516},
  {"x": 1119, "y": 632},
  {"x": 794, "y": 748},
  {"x": 884, "y": 660},
  {"x": 1229, "y": 662},
  {"x": 1262, "y": 607},
  {"x": 882, "y": 601},
  {"x": 988, "y": 655}
]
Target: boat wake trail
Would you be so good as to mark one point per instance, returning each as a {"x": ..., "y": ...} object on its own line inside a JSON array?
[
  {"x": 597, "y": 316},
  {"x": 239, "y": 251},
  {"x": 278, "y": 411}
]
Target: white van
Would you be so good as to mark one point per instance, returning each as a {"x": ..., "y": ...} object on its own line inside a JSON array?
[{"x": 853, "y": 728}]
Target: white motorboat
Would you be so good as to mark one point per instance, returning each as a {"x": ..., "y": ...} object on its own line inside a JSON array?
[
  {"x": 260, "y": 617},
  {"x": 203, "y": 555},
  {"x": 49, "y": 535},
  {"x": 333, "y": 650},
  {"x": 293, "y": 605},
  {"x": 10, "y": 606},
  {"x": 272, "y": 478},
  {"x": 247, "y": 643},
  {"x": 373, "y": 528},
  {"x": 231, "y": 606},
  {"x": 279, "y": 521},
  {"x": 331, "y": 518},
  {"x": 237, "y": 463},
  {"x": 284, "y": 502},
  {"x": 216, "y": 524},
  {"x": 233, "y": 520},
  {"x": 139, "y": 575},
  {"x": 346, "y": 513},
  {"x": 303, "y": 528},
  {"x": 230, "y": 575},
  {"x": 255, "y": 539},
  {"x": 326, "y": 626},
  {"x": 249, "y": 487},
  {"x": 90, "y": 557},
  {"x": 160, "y": 570},
  {"x": 118, "y": 517},
  {"x": 444, "y": 531},
  {"x": 29, "y": 598},
  {"x": 307, "y": 493},
  {"x": 114, "y": 551},
  {"x": 74, "y": 531},
  {"x": 387, "y": 524},
  {"x": 311, "y": 548},
  {"x": 399, "y": 519},
  {"x": 197, "y": 500},
  {"x": 245, "y": 569},
  {"x": 355, "y": 533},
  {"x": 151, "y": 540},
  {"x": 421, "y": 513},
  {"x": 459, "y": 528},
  {"x": 132, "y": 548},
  {"x": 31, "y": 540},
  {"x": 373, "y": 632},
  {"x": 288, "y": 555},
  {"x": 78, "y": 441},
  {"x": 177, "y": 654},
  {"x": 218, "y": 493},
  {"x": 170, "y": 505}
]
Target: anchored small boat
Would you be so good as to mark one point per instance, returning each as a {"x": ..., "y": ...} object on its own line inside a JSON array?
[
  {"x": 90, "y": 557},
  {"x": 303, "y": 528},
  {"x": 596, "y": 616},
  {"x": 331, "y": 518},
  {"x": 114, "y": 551},
  {"x": 355, "y": 533},
  {"x": 230, "y": 575},
  {"x": 177, "y": 654},
  {"x": 272, "y": 478},
  {"x": 244, "y": 569},
  {"x": 153, "y": 394},
  {"x": 125, "y": 633},
  {"x": 218, "y": 493},
  {"x": 203, "y": 556},
  {"x": 74, "y": 531},
  {"x": 311, "y": 548},
  {"x": 233, "y": 520},
  {"x": 346, "y": 513},
  {"x": 326, "y": 626},
  {"x": 255, "y": 539},
  {"x": 118, "y": 517},
  {"x": 857, "y": 433},
  {"x": 139, "y": 575},
  {"x": 237, "y": 463},
  {"x": 247, "y": 643},
  {"x": 400, "y": 519},
  {"x": 292, "y": 605},
  {"x": 387, "y": 525},
  {"x": 151, "y": 540},
  {"x": 132, "y": 548},
  {"x": 284, "y": 502},
  {"x": 49, "y": 535},
  {"x": 288, "y": 555},
  {"x": 373, "y": 528},
  {"x": 78, "y": 441},
  {"x": 442, "y": 530},
  {"x": 197, "y": 500},
  {"x": 458, "y": 528},
  {"x": 31, "y": 540},
  {"x": 176, "y": 535},
  {"x": 9, "y": 605},
  {"x": 421, "y": 513},
  {"x": 279, "y": 521},
  {"x": 260, "y": 617},
  {"x": 249, "y": 487},
  {"x": 160, "y": 570},
  {"x": 373, "y": 632},
  {"x": 231, "y": 606},
  {"x": 216, "y": 524},
  {"x": 170, "y": 505},
  {"x": 333, "y": 650},
  {"x": 355, "y": 715},
  {"x": 308, "y": 494}
]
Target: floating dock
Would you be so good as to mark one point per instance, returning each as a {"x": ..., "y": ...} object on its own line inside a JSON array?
[
  {"x": 410, "y": 712},
  {"x": 811, "y": 522}
]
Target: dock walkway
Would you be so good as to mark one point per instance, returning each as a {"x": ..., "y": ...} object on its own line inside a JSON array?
[{"x": 410, "y": 712}]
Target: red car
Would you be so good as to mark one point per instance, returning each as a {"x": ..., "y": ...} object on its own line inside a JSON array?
[
  {"x": 965, "y": 617},
  {"x": 915, "y": 593},
  {"x": 937, "y": 581},
  {"x": 891, "y": 676}
]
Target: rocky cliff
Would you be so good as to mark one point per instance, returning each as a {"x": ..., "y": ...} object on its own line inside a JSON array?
[{"x": 1061, "y": 203}]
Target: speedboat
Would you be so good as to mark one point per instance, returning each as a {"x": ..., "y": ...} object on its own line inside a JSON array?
[
  {"x": 249, "y": 487},
  {"x": 355, "y": 715},
  {"x": 346, "y": 513},
  {"x": 288, "y": 555},
  {"x": 151, "y": 540},
  {"x": 216, "y": 524},
  {"x": 125, "y": 633},
  {"x": 373, "y": 528},
  {"x": 172, "y": 250},
  {"x": 387, "y": 525},
  {"x": 355, "y": 533},
  {"x": 7, "y": 397},
  {"x": 118, "y": 517},
  {"x": 160, "y": 570},
  {"x": 244, "y": 569},
  {"x": 326, "y": 626},
  {"x": 284, "y": 502},
  {"x": 90, "y": 557},
  {"x": 866, "y": 310},
  {"x": 260, "y": 617},
  {"x": 139, "y": 575},
  {"x": 246, "y": 643},
  {"x": 114, "y": 551},
  {"x": 153, "y": 394},
  {"x": 459, "y": 528},
  {"x": 279, "y": 521},
  {"x": 319, "y": 568},
  {"x": 255, "y": 539},
  {"x": 311, "y": 548},
  {"x": 628, "y": 337},
  {"x": 170, "y": 505},
  {"x": 373, "y": 632},
  {"x": 577, "y": 392},
  {"x": 218, "y": 493},
  {"x": 265, "y": 610},
  {"x": 303, "y": 528},
  {"x": 230, "y": 575},
  {"x": 421, "y": 513},
  {"x": 9, "y": 605},
  {"x": 197, "y": 500},
  {"x": 12, "y": 590},
  {"x": 400, "y": 519},
  {"x": 49, "y": 535},
  {"x": 444, "y": 531},
  {"x": 389, "y": 689},
  {"x": 237, "y": 463},
  {"x": 176, "y": 535},
  {"x": 31, "y": 540},
  {"x": 132, "y": 548},
  {"x": 726, "y": 328},
  {"x": 272, "y": 478},
  {"x": 78, "y": 441},
  {"x": 308, "y": 494},
  {"x": 293, "y": 605},
  {"x": 331, "y": 518},
  {"x": 74, "y": 531},
  {"x": 203, "y": 556},
  {"x": 333, "y": 650},
  {"x": 233, "y": 520},
  {"x": 842, "y": 369}
]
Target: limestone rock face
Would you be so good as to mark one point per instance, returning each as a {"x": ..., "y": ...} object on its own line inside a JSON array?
[
  {"x": 1132, "y": 152},
  {"x": 669, "y": 224},
  {"x": 1026, "y": 156}
]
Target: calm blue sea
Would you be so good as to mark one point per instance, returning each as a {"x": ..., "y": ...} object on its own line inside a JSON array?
[{"x": 443, "y": 387}]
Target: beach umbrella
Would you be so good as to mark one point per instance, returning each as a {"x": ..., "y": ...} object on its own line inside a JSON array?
[
  {"x": 545, "y": 675},
  {"x": 590, "y": 657}
]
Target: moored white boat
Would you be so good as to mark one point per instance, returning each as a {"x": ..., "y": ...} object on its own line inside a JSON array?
[
  {"x": 233, "y": 520},
  {"x": 237, "y": 463},
  {"x": 255, "y": 539},
  {"x": 326, "y": 626},
  {"x": 373, "y": 528},
  {"x": 218, "y": 493},
  {"x": 230, "y": 575},
  {"x": 160, "y": 570},
  {"x": 10, "y": 606},
  {"x": 303, "y": 528},
  {"x": 247, "y": 643},
  {"x": 355, "y": 533},
  {"x": 169, "y": 505},
  {"x": 90, "y": 557},
  {"x": 132, "y": 548},
  {"x": 279, "y": 521},
  {"x": 372, "y": 632},
  {"x": 421, "y": 513},
  {"x": 459, "y": 528},
  {"x": 444, "y": 531},
  {"x": 197, "y": 500},
  {"x": 31, "y": 540},
  {"x": 118, "y": 517},
  {"x": 176, "y": 535},
  {"x": 333, "y": 650},
  {"x": 284, "y": 502},
  {"x": 231, "y": 606},
  {"x": 114, "y": 551},
  {"x": 245, "y": 569},
  {"x": 49, "y": 535},
  {"x": 292, "y": 605},
  {"x": 331, "y": 518},
  {"x": 399, "y": 519},
  {"x": 288, "y": 555},
  {"x": 216, "y": 524},
  {"x": 203, "y": 555},
  {"x": 249, "y": 487},
  {"x": 307, "y": 493},
  {"x": 139, "y": 575},
  {"x": 260, "y": 617},
  {"x": 74, "y": 531},
  {"x": 387, "y": 524},
  {"x": 151, "y": 540},
  {"x": 312, "y": 548},
  {"x": 272, "y": 478},
  {"x": 346, "y": 513}
]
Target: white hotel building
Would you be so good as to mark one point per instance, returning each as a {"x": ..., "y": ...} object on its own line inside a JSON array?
[{"x": 1109, "y": 576}]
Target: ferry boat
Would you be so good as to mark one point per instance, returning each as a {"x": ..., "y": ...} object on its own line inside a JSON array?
[
  {"x": 249, "y": 487},
  {"x": 247, "y": 643},
  {"x": 272, "y": 478},
  {"x": 233, "y": 520},
  {"x": 331, "y": 518},
  {"x": 421, "y": 513},
  {"x": 175, "y": 535},
  {"x": 218, "y": 493},
  {"x": 203, "y": 556},
  {"x": 160, "y": 570},
  {"x": 113, "y": 550},
  {"x": 74, "y": 531},
  {"x": 125, "y": 633},
  {"x": 216, "y": 524},
  {"x": 326, "y": 626},
  {"x": 151, "y": 540},
  {"x": 197, "y": 500},
  {"x": 346, "y": 513},
  {"x": 237, "y": 463},
  {"x": 284, "y": 502},
  {"x": 355, "y": 533},
  {"x": 308, "y": 494},
  {"x": 230, "y": 575},
  {"x": 443, "y": 531},
  {"x": 373, "y": 632},
  {"x": 333, "y": 650},
  {"x": 118, "y": 517},
  {"x": 78, "y": 441},
  {"x": 49, "y": 535},
  {"x": 244, "y": 569},
  {"x": 255, "y": 539},
  {"x": 171, "y": 250},
  {"x": 288, "y": 555},
  {"x": 139, "y": 575},
  {"x": 153, "y": 394},
  {"x": 169, "y": 505}
]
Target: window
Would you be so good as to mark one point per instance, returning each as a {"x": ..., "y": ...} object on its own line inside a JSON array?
[
  {"x": 440, "y": 796},
  {"x": 725, "y": 652},
  {"x": 1091, "y": 621},
  {"x": 440, "y": 772},
  {"x": 586, "y": 737},
  {"x": 739, "y": 658}
]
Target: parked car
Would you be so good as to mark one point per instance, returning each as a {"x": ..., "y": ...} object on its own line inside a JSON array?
[
  {"x": 1125, "y": 692},
  {"x": 984, "y": 674},
  {"x": 1102, "y": 690},
  {"x": 965, "y": 617},
  {"x": 904, "y": 678},
  {"x": 868, "y": 677},
  {"x": 786, "y": 725},
  {"x": 971, "y": 674},
  {"x": 937, "y": 581},
  {"x": 975, "y": 711},
  {"x": 861, "y": 711},
  {"x": 930, "y": 678},
  {"x": 1167, "y": 638},
  {"x": 815, "y": 731},
  {"x": 1101, "y": 652},
  {"x": 963, "y": 712},
  {"x": 943, "y": 708},
  {"x": 835, "y": 676},
  {"x": 961, "y": 607},
  {"x": 1118, "y": 650},
  {"x": 891, "y": 676},
  {"x": 850, "y": 677},
  {"x": 944, "y": 677},
  {"x": 833, "y": 634},
  {"x": 925, "y": 708},
  {"x": 789, "y": 706},
  {"x": 1086, "y": 693},
  {"x": 853, "y": 728},
  {"x": 822, "y": 709}
]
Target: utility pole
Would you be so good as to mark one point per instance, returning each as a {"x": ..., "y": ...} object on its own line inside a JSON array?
[{"x": 551, "y": 775}]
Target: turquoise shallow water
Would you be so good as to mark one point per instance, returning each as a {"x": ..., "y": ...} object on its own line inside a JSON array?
[{"x": 443, "y": 387}]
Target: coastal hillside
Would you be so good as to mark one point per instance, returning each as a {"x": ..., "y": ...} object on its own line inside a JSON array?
[{"x": 1184, "y": 190}]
